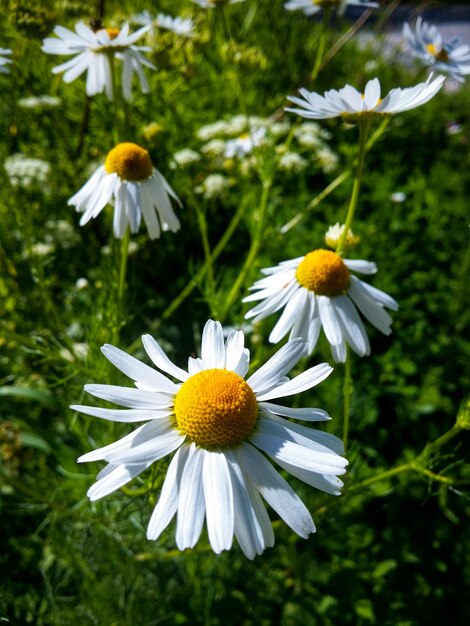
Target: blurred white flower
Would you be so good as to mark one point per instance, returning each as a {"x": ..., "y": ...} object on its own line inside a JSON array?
[
  {"x": 210, "y": 4},
  {"x": 334, "y": 233},
  {"x": 425, "y": 42},
  {"x": 245, "y": 143},
  {"x": 328, "y": 159},
  {"x": 81, "y": 283},
  {"x": 398, "y": 197},
  {"x": 292, "y": 162},
  {"x": 311, "y": 135},
  {"x": 183, "y": 26},
  {"x": 355, "y": 106},
  {"x": 4, "y": 52},
  {"x": 94, "y": 52},
  {"x": 39, "y": 103},
  {"x": 212, "y": 130},
  {"x": 129, "y": 180},
  {"x": 27, "y": 173},
  {"x": 184, "y": 157},
  {"x": 310, "y": 7},
  {"x": 214, "y": 147},
  {"x": 214, "y": 186}
]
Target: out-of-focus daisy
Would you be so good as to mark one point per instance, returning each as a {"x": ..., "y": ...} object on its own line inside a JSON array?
[
  {"x": 318, "y": 290},
  {"x": 94, "y": 52},
  {"x": 245, "y": 143},
  {"x": 214, "y": 186},
  {"x": 130, "y": 182},
  {"x": 4, "y": 52},
  {"x": 310, "y": 7},
  {"x": 355, "y": 106},
  {"x": 183, "y": 26},
  {"x": 210, "y": 4},
  {"x": 334, "y": 234},
  {"x": 219, "y": 425},
  {"x": 426, "y": 43}
]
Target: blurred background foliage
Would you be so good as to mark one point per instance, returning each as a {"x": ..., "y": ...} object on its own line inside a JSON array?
[{"x": 392, "y": 552}]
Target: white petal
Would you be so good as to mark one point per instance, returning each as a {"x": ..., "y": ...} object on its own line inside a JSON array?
[
  {"x": 308, "y": 415},
  {"x": 294, "y": 310},
  {"x": 139, "y": 435},
  {"x": 302, "y": 382},
  {"x": 219, "y": 500},
  {"x": 275, "y": 490},
  {"x": 121, "y": 475},
  {"x": 191, "y": 508},
  {"x": 168, "y": 501},
  {"x": 234, "y": 348},
  {"x": 162, "y": 443},
  {"x": 358, "y": 265},
  {"x": 328, "y": 319},
  {"x": 275, "y": 369},
  {"x": 160, "y": 359},
  {"x": 351, "y": 326},
  {"x": 212, "y": 345},
  {"x": 119, "y": 415},
  {"x": 130, "y": 397},
  {"x": 325, "y": 482},
  {"x": 303, "y": 435}
]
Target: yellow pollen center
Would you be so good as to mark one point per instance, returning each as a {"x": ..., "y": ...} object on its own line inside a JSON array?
[
  {"x": 323, "y": 272},
  {"x": 440, "y": 54},
  {"x": 112, "y": 32},
  {"x": 129, "y": 161},
  {"x": 216, "y": 408}
]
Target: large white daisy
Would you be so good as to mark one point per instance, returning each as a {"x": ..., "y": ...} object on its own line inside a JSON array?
[
  {"x": 426, "y": 43},
  {"x": 219, "y": 426},
  {"x": 4, "y": 60},
  {"x": 355, "y": 106},
  {"x": 94, "y": 53},
  {"x": 310, "y": 7},
  {"x": 130, "y": 182},
  {"x": 318, "y": 290}
]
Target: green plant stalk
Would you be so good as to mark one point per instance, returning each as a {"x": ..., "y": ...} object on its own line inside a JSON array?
[
  {"x": 348, "y": 389},
  {"x": 253, "y": 251},
  {"x": 202, "y": 223},
  {"x": 339, "y": 180},
  {"x": 363, "y": 134},
  {"x": 123, "y": 264},
  {"x": 321, "y": 44}
]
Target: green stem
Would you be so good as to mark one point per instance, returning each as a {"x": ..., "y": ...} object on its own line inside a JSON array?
[
  {"x": 450, "y": 434},
  {"x": 348, "y": 389},
  {"x": 253, "y": 251},
  {"x": 321, "y": 44},
  {"x": 123, "y": 264},
  {"x": 363, "y": 134},
  {"x": 404, "y": 467},
  {"x": 202, "y": 223}
]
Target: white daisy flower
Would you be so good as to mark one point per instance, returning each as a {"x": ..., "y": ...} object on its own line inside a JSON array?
[
  {"x": 4, "y": 61},
  {"x": 310, "y": 7},
  {"x": 426, "y": 43},
  {"x": 318, "y": 290},
  {"x": 335, "y": 232},
  {"x": 219, "y": 426},
  {"x": 183, "y": 26},
  {"x": 210, "y": 4},
  {"x": 130, "y": 182},
  {"x": 94, "y": 52},
  {"x": 355, "y": 106},
  {"x": 245, "y": 143}
]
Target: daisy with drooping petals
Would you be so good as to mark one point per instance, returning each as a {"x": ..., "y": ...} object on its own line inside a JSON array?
[
  {"x": 426, "y": 43},
  {"x": 218, "y": 425},
  {"x": 130, "y": 182},
  {"x": 310, "y": 7},
  {"x": 183, "y": 26},
  {"x": 318, "y": 290},
  {"x": 95, "y": 52},
  {"x": 4, "y": 61},
  {"x": 355, "y": 106}
]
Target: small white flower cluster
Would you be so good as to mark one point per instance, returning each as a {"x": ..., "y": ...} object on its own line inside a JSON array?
[
  {"x": 214, "y": 186},
  {"x": 185, "y": 157},
  {"x": 26, "y": 172},
  {"x": 39, "y": 103}
]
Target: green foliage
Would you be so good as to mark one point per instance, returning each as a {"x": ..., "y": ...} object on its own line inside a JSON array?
[{"x": 391, "y": 550}]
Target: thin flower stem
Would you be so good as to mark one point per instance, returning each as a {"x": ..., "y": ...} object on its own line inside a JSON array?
[
  {"x": 339, "y": 180},
  {"x": 348, "y": 389},
  {"x": 123, "y": 264},
  {"x": 450, "y": 434},
  {"x": 363, "y": 134},
  {"x": 321, "y": 45},
  {"x": 253, "y": 251},
  {"x": 404, "y": 467},
  {"x": 202, "y": 223}
]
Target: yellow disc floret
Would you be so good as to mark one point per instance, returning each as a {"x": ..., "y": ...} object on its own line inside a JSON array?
[
  {"x": 112, "y": 32},
  {"x": 129, "y": 161},
  {"x": 323, "y": 272},
  {"x": 216, "y": 408},
  {"x": 440, "y": 54}
]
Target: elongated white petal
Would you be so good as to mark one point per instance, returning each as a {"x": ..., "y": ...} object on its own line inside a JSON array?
[
  {"x": 212, "y": 345},
  {"x": 302, "y": 382},
  {"x": 120, "y": 415},
  {"x": 120, "y": 476},
  {"x": 329, "y": 320},
  {"x": 328, "y": 483},
  {"x": 165, "y": 441},
  {"x": 168, "y": 502},
  {"x": 130, "y": 397},
  {"x": 270, "y": 374},
  {"x": 275, "y": 490},
  {"x": 191, "y": 506},
  {"x": 234, "y": 347},
  {"x": 304, "y": 436},
  {"x": 219, "y": 500},
  {"x": 161, "y": 360},
  {"x": 138, "y": 436},
  {"x": 352, "y": 328},
  {"x": 308, "y": 415}
]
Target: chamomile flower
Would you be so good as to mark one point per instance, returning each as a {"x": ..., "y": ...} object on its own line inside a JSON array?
[
  {"x": 218, "y": 425},
  {"x": 334, "y": 234},
  {"x": 130, "y": 182},
  {"x": 4, "y": 52},
  {"x": 318, "y": 290},
  {"x": 355, "y": 106},
  {"x": 94, "y": 52},
  {"x": 245, "y": 143},
  {"x": 310, "y": 7},
  {"x": 183, "y": 26},
  {"x": 426, "y": 43}
]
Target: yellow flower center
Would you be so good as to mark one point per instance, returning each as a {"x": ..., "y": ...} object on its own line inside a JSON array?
[
  {"x": 216, "y": 408},
  {"x": 323, "y": 272},
  {"x": 112, "y": 32},
  {"x": 440, "y": 54},
  {"x": 129, "y": 161}
]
